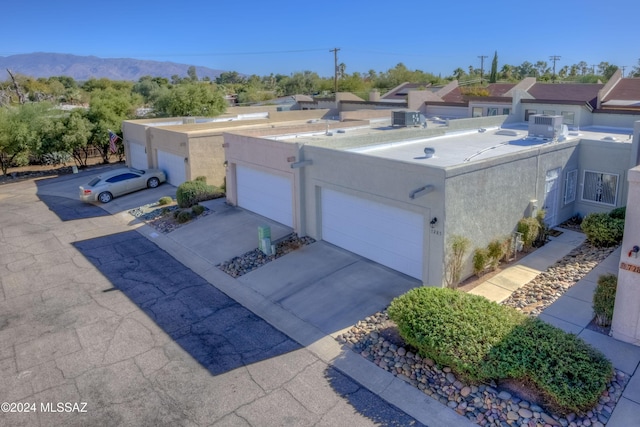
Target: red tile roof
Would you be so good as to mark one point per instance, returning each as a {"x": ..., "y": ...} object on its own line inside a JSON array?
[
  {"x": 625, "y": 90},
  {"x": 581, "y": 92}
]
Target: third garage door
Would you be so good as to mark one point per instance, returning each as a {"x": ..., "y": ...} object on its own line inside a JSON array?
[
  {"x": 265, "y": 193},
  {"x": 385, "y": 234}
]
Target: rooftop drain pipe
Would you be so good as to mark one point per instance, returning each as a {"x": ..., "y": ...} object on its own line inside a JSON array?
[{"x": 422, "y": 191}]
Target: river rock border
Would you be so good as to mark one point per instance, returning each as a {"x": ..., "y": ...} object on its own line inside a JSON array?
[
  {"x": 249, "y": 261},
  {"x": 376, "y": 339}
]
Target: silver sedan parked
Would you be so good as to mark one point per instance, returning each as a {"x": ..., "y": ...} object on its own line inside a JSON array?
[{"x": 121, "y": 181}]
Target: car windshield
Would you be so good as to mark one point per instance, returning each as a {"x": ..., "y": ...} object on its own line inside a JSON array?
[
  {"x": 141, "y": 172},
  {"x": 94, "y": 181}
]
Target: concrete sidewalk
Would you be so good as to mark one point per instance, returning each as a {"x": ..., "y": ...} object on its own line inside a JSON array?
[{"x": 573, "y": 312}]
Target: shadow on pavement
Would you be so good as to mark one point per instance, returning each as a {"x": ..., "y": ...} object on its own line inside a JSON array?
[
  {"x": 214, "y": 329},
  {"x": 366, "y": 403},
  {"x": 69, "y": 209}
]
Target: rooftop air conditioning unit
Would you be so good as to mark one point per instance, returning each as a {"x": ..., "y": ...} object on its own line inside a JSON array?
[
  {"x": 543, "y": 126},
  {"x": 405, "y": 118}
]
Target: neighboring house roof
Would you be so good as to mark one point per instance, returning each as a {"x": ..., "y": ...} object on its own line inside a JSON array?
[
  {"x": 400, "y": 92},
  {"x": 625, "y": 92},
  {"x": 499, "y": 89},
  {"x": 454, "y": 96},
  {"x": 566, "y": 93}
]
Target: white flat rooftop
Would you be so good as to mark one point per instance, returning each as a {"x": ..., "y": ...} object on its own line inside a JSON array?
[{"x": 453, "y": 148}]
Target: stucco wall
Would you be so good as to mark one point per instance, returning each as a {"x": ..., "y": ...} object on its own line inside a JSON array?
[
  {"x": 380, "y": 180},
  {"x": 626, "y": 314},
  {"x": 583, "y": 117},
  {"x": 603, "y": 156},
  {"x": 485, "y": 200},
  {"x": 615, "y": 120},
  {"x": 365, "y": 115},
  {"x": 446, "y": 111},
  {"x": 134, "y": 133},
  {"x": 206, "y": 158}
]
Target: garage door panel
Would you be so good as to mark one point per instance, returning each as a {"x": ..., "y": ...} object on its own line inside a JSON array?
[
  {"x": 173, "y": 166},
  {"x": 382, "y": 233},
  {"x": 265, "y": 193},
  {"x": 138, "y": 155}
]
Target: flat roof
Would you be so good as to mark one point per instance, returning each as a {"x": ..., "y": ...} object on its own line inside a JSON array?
[{"x": 449, "y": 149}]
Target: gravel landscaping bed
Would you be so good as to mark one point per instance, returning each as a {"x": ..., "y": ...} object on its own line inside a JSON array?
[
  {"x": 251, "y": 260},
  {"x": 161, "y": 217},
  {"x": 376, "y": 338}
]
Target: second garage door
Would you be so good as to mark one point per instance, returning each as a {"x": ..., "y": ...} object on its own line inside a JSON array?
[
  {"x": 266, "y": 194},
  {"x": 138, "y": 155},
  {"x": 385, "y": 234},
  {"x": 173, "y": 166}
]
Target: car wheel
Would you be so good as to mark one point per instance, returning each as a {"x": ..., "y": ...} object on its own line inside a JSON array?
[
  {"x": 153, "y": 182},
  {"x": 105, "y": 197}
]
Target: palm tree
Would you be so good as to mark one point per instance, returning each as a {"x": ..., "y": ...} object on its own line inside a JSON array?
[{"x": 458, "y": 73}]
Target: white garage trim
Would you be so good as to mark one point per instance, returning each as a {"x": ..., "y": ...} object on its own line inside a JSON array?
[
  {"x": 138, "y": 156},
  {"x": 385, "y": 234},
  {"x": 265, "y": 193},
  {"x": 173, "y": 166}
]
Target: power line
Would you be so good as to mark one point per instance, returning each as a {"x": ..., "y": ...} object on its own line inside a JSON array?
[
  {"x": 335, "y": 69},
  {"x": 482, "y": 57},
  {"x": 554, "y": 58}
]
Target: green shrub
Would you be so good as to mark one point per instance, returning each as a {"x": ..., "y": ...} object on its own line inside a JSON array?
[
  {"x": 495, "y": 253},
  {"x": 184, "y": 216},
  {"x": 543, "y": 229},
  {"x": 603, "y": 230},
  {"x": 197, "y": 209},
  {"x": 201, "y": 178},
  {"x": 190, "y": 193},
  {"x": 618, "y": 213},
  {"x": 604, "y": 299},
  {"x": 480, "y": 260},
  {"x": 483, "y": 341},
  {"x": 530, "y": 228},
  {"x": 165, "y": 200},
  {"x": 571, "y": 374},
  {"x": 451, "y": 327}
]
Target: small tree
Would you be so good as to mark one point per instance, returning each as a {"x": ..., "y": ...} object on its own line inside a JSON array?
[
  {"x": 493, "y": 77},
  {"x": 453, "y": 267}
]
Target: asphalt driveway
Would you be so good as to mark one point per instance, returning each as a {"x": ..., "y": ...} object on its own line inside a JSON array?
[{"x": 93, "y": 313}]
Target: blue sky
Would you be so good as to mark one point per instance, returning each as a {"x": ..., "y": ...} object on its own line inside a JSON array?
[{"x": 262, "y": 37}]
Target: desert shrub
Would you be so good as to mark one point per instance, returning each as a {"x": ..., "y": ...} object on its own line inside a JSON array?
[
  {"x": 530, "y": 228},
  {"x": 570, "y": 373},
  {"x": 495, "y": 253},
  {"x": 483, "y": 341},
  {"x": 197, "y": 209},
  {"x": 190, "y": 193},
  {"x": 184, "y": 216},
  {"x": 452, "y": 328},
  {"x": 543, "y": 229},
  {"x": 56, "y": 158},
  {"x": 618, "y": 213},
  {"x": 602, "y": 230},
  {"x": 604, "y": 299},
  {"x": 165, "y": 200},
  {"x": 480, "y": 260},
  {"x": 453, "y": 267},
  {"x": 508, "y": 249}
]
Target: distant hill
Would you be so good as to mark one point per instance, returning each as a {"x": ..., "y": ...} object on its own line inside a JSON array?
[{"x": 85, "y": 67}]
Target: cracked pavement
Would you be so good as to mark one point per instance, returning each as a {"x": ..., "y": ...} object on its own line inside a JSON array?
[{"x": 91, "y": 311}]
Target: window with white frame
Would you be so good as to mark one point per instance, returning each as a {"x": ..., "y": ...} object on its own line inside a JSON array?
[
  {"x": 549, "y": 112},
  {"x": 506, "y": 111},
  {"x": 476, "y": 112},
  {"x": 570, "y": 184},
  {"x": 600, "y": 187},
  {"x": 568, "y": 117},
  {"x": 491, "y": 111}
]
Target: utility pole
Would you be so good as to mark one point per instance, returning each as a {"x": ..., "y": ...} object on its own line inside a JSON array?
[
  {"x": 554, "y": 58},
  {"x": 335, "y": 69},
  {"x": 593, "y": 69},
  {"x": 623, "y": 67},
  {"x": 482, "y": 57}
]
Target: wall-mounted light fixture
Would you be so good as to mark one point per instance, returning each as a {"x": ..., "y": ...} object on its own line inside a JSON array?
[
  {"x": 186, "y": 159},
  {"x": 433, "y": 222},
  {"x": 634, "y": 251},
  {"x": 226, "y": 163},
  {"x": 421, "y": 191}
]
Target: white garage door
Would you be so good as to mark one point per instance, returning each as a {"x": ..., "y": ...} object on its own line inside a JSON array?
[
  {"x": 265, "y": 194},
  {"x": 138, "y": 156},
  {"x": 173, "y": 166},
  {"x": 387, "y": 235}
]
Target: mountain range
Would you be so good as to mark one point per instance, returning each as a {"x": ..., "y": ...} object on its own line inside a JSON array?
[{"x": 41, "y": 64}]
